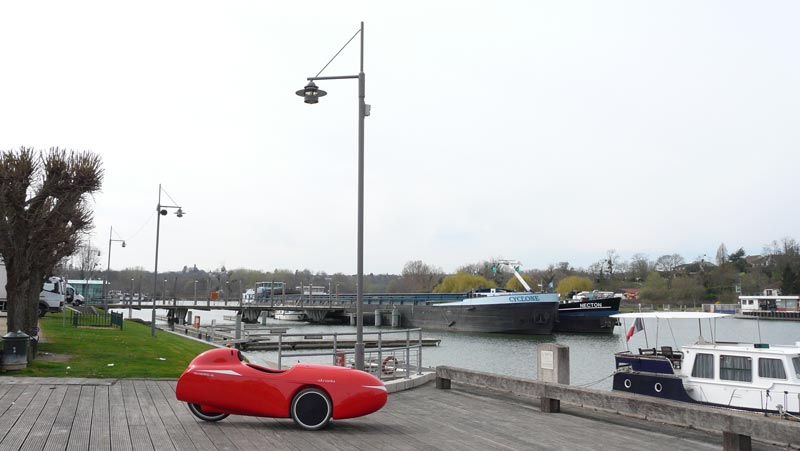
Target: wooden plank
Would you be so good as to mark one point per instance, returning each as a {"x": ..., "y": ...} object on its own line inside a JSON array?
[
  {"x": 180, "y": 439},
  {"x": 59, "y": 433},
  {"x": 37, "y": 438},
  {"x": 424, "y": 418},
  {"x": 188, "y": 422},
  {"x": 4, "y": 389},
  {"x": 118, "y": 421},
  {"x": 82, "y": 424},
  {"x": 17, "y": 400},
  {"x": 100, "y": 437},
  {"x": 140, "y": 439},
  {"x": 19, "y": 432},
  {"x": 155, "y": 428}
]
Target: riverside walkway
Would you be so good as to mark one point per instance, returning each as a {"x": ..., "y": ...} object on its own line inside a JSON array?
[{"x": 85, "y": 414}]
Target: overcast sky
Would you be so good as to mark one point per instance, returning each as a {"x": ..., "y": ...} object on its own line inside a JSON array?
[{"x": 539, "y": 131}]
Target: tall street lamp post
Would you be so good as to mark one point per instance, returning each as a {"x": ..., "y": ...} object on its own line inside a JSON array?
[
  {"x": 108, "y": 265},
  {"x": 311, "y": 94},
  {"x": 161, "y": 210}
]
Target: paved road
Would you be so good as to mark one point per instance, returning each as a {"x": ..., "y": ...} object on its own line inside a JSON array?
[{"x": 74, "y": 414}]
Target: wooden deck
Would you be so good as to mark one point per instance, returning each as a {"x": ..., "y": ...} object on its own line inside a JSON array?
[{"x": 52, "y": 414}]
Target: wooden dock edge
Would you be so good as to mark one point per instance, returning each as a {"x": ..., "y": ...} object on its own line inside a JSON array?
[{"x": 737, "y": 428}]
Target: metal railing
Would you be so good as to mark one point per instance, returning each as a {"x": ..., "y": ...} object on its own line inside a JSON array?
[
  {"x": 102, "y": 319},
  {"x": 388, "y": 355}
]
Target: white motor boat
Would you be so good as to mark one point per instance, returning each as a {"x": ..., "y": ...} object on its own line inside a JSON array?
[{"x": 748, "y": 376}]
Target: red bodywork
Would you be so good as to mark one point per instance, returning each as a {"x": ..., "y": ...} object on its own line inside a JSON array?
[{"x": 220, "y": 382}]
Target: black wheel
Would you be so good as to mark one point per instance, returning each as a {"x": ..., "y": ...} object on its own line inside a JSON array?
[
  {"x": 311, "y": 409},
  {"x": 206, "y": 416},
  {"x": 42, "y": 310}
]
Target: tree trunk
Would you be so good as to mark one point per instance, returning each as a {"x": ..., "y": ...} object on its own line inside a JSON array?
[{"x": 23, "y": 301}]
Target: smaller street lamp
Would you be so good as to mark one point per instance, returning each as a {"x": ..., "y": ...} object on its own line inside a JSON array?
[
  {"x": 161, "y": 210},
  {"x": 108, "y": 265}
]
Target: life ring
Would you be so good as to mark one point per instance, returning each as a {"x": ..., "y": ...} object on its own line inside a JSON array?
[{"x": 389, "y": 365}]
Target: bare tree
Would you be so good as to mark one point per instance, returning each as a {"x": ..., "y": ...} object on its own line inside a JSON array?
[
  {"x": 722, "y": 255},
  {"x": 668, "y": 263},
  {"x": 640, "y": 267},
  {"x": 417, "y": 277},
  {"x": 88, "y": 259},
  {"x": 43, "y": 210}
]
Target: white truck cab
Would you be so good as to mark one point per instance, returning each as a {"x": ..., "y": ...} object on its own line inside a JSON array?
[{"x": 53, "y": 295}]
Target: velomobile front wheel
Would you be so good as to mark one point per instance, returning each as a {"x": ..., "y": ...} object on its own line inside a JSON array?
[
  {"x": 206, "y": 416},
  {"x": 311, "y": 409}
]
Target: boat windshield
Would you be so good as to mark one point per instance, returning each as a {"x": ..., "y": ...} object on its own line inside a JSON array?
[{"x": 796, "y": 361}]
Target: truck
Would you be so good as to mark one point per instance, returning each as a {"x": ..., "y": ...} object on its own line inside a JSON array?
[{"x": 51, "y": 298}]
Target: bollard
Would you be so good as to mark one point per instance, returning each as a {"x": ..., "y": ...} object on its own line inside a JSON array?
[
  {"x": 553, "y": 368},
  {"x": 378, "y": 318},
  {"x": 395, "y": 317},
  {"x": 731, "y": 441},
  {"x": 264, "y": 318},
  {"x": 352, "y": 318}
]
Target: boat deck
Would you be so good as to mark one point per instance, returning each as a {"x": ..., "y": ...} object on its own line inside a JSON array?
[{"x": 71, "y": 414}]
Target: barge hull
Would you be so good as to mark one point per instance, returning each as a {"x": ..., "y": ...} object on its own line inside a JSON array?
[
  {"x": 529, "y": 318},
  {"x": 592, "y": 316}
]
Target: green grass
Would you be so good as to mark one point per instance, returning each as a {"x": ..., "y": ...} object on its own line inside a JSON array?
[{"x": 132, "y": 351}]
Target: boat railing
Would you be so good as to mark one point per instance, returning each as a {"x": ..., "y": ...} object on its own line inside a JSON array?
[{"x": 390, "y": 354}]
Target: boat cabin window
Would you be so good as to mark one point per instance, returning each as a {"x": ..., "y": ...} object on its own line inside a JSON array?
[
  {"x": 703, "y": 366},
  {"x": 735, "y": 368},
  {"x": 771, "y": 368},
  {"x": 796, "y": 361}
]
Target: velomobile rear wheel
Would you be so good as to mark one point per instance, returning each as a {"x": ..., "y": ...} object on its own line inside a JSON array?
[
  {"x": 311, "y": 409},
  {"x": 206, "y": 416}
]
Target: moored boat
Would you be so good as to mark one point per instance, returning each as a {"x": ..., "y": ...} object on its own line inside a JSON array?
[
  {"x": 588, "y": 312},
  {"x": 748, "y": 376},
  {"x": 490, "y": 311},
  {"x": 290, "y": 315}
]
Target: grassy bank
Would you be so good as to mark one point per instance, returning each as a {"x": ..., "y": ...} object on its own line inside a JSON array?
[{"x": 101, "y": 352}]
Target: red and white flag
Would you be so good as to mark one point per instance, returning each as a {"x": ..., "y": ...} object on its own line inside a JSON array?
[{"x": 637, "y": 326}]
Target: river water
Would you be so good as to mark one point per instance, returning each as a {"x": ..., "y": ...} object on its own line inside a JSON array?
[{"x": 591, "y": 356}]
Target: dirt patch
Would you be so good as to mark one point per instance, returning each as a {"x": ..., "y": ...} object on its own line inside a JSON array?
[{"x": 50, "y": 357}]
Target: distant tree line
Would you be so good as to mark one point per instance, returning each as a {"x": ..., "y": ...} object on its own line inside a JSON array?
[{"x": 669, "y": 278}]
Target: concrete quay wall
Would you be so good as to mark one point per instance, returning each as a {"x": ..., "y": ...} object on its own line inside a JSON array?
[{"x": 736, "y": 426}]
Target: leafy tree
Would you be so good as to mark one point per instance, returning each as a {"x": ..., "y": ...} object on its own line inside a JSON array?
[
  {"x": 686, "y": 289},
  {"x": 737, "y": 260},
  {"x": 573, "y": 283},
  {"x": 462, "y": 283},
  {"x": 514, "y": 284},
  {"x": 789, "y": 280},
  {"x": 655, "y": 288},
  {"x": 44, "y": 210}
]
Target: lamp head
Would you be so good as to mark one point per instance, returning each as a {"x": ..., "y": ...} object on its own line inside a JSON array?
[
  {"x": 179, "y": 213},
  {"x": 123, "y": 243},
  {"x": 311, "y": 93}
]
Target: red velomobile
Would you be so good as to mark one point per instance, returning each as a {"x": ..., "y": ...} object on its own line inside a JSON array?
[{"x": 218, "y": 383}]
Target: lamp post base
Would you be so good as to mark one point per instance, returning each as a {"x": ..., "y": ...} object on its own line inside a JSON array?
[{"x": 359, "y": 357}]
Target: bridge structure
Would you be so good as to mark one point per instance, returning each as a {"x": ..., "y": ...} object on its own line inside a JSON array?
[{"x": 317, "y": 307}]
